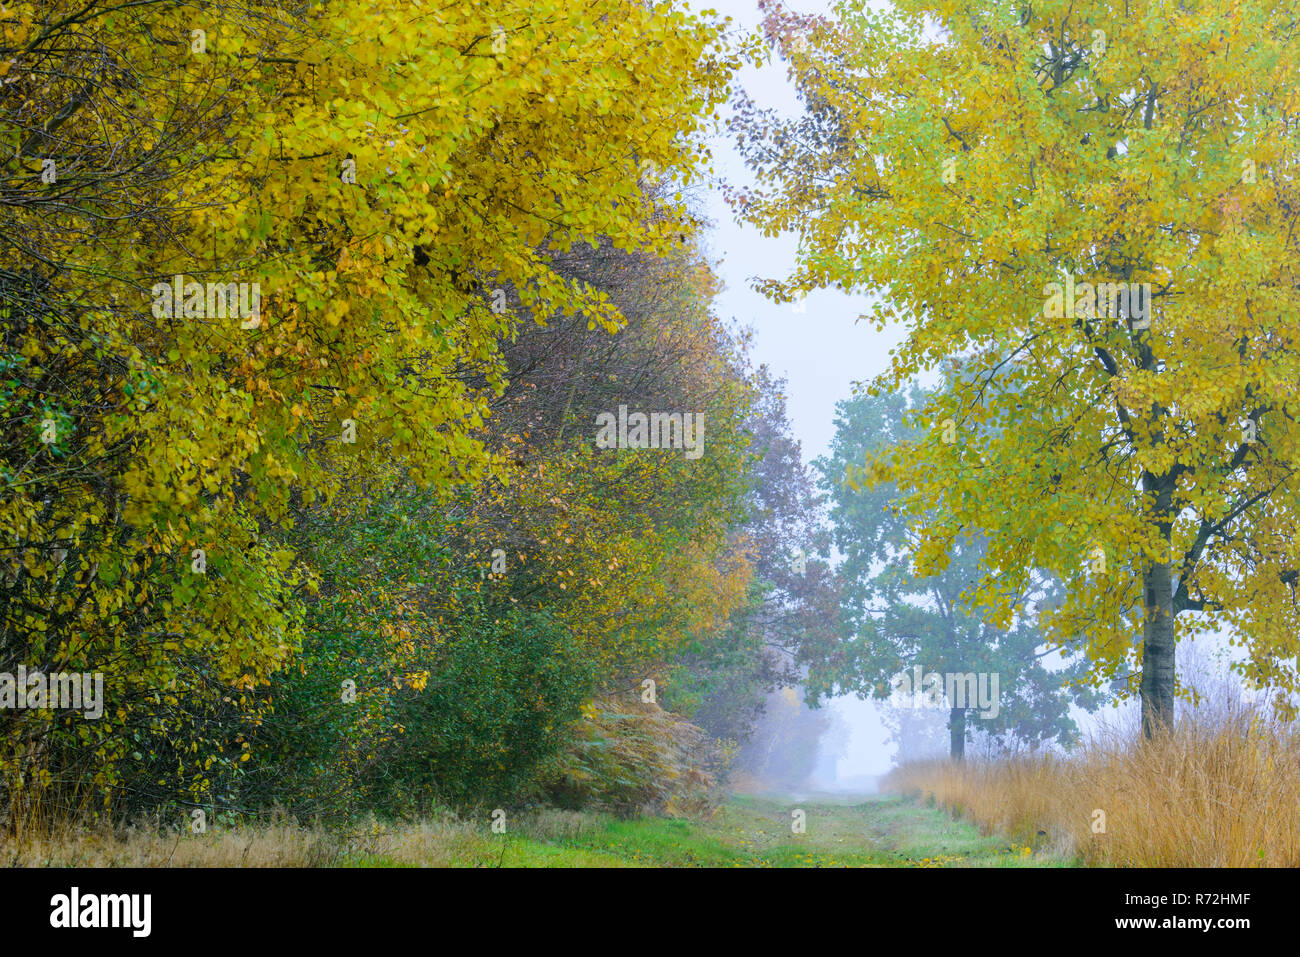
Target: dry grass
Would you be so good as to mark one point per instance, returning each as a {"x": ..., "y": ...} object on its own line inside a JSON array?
[
  {"x": 1221, "y": 791},
  {"x": 633, "y": 756},
  {"x": 277, "y": 843}
]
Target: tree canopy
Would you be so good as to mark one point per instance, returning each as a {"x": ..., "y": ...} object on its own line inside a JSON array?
[
  {"x": 310, "y": 312},
  {"x": 974, "y": 165}
]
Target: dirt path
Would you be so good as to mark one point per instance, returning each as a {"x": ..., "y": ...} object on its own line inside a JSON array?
[{"x": 761, "y": 832}]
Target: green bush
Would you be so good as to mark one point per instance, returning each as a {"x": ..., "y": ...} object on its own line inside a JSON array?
[
  {"x": 499, "y": 703},
  {"x": 417, "y": 682}
]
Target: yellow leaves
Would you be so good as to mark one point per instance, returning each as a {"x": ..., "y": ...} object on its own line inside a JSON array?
[
  {"x": 220, "y": 443},
  {"x": 14, "y": 31}
]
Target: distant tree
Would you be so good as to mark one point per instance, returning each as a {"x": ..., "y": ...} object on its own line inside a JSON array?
[
  {"x": 895, "y": 621},
  {"x": 782, "y": 753},
  {"x": 918, "y": 734}
]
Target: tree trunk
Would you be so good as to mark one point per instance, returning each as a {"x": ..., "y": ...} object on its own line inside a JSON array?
[
  {"x": 957, "y": 733},
  {"x": 1157, "y": 649}
]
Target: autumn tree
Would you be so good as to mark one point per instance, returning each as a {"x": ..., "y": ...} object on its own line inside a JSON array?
[
  {"x": 591, "y": 569},
  {"x": 725, "y": 682},
  {"x": 367, "y": 177},
  {"x": 110, "y": 452},
  {"x": 1093, "y": 207},
  {"x": 631, "y": 547}
]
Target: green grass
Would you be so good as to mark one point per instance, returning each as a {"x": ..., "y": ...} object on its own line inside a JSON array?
[{"x": 753, "y": 832}]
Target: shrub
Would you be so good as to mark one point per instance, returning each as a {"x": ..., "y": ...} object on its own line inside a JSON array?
[{"x": 631, "y": 756}]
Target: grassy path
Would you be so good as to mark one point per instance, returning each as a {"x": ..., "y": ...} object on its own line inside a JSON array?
[{"x": 754, "y": 832}]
